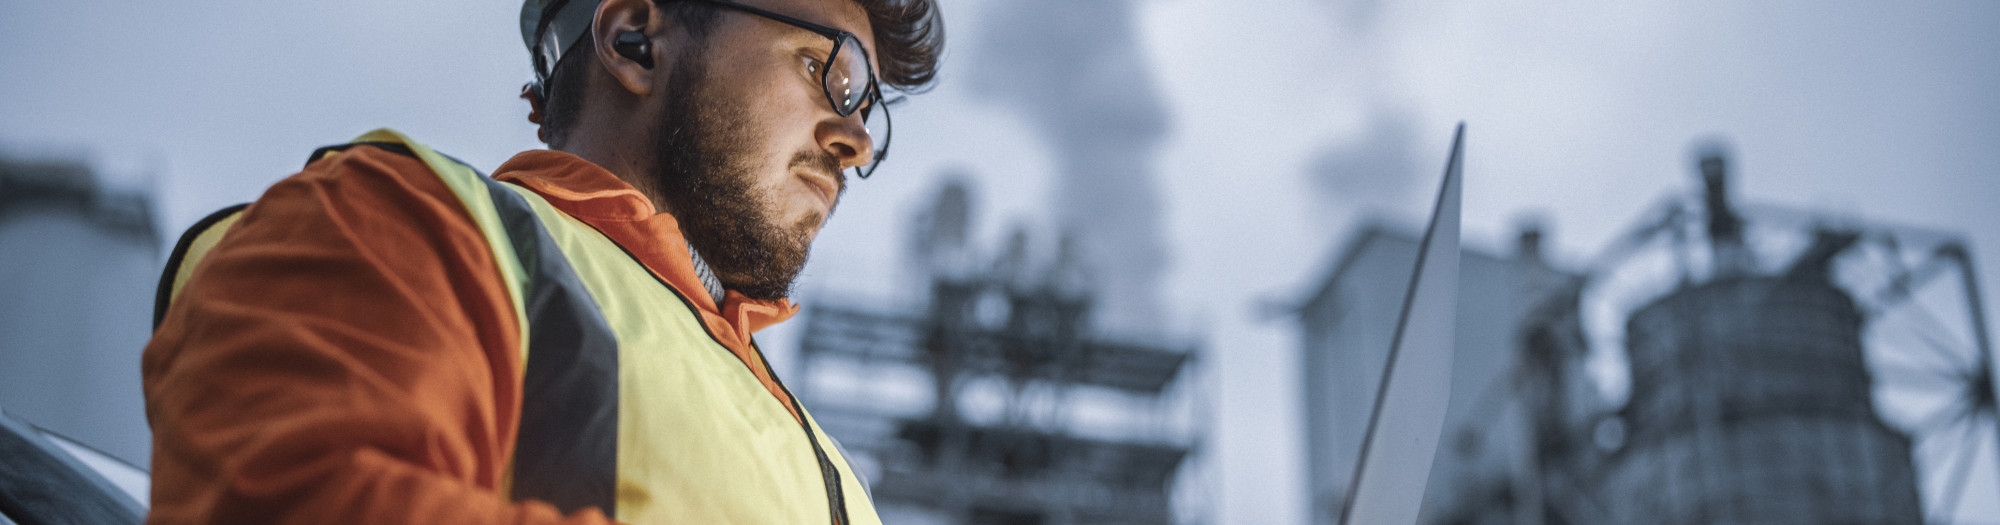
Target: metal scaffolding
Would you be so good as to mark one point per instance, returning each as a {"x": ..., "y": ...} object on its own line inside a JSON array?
[{"x": 1023, "y": 338}]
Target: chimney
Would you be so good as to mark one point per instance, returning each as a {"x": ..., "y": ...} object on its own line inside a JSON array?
[
  {"x": 1528, "y": 247},
  {"x": 1725, "y": 227}
]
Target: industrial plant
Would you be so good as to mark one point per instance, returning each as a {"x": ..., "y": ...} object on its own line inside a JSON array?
[
  {"x": 997, "y": 399},
  {"x": 1765, "y": 366}
]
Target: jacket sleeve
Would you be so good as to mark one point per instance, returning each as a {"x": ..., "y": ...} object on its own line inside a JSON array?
[{"x": 346, "y": 354}]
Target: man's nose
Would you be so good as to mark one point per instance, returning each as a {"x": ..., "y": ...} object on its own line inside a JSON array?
[{"x": 846, "y": 138}]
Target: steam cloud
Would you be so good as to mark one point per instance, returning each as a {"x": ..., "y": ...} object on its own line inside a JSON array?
[{"x": 1077, "y": 72}]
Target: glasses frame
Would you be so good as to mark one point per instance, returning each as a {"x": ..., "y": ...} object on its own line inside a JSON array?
[{"x": 870, "y": 101}]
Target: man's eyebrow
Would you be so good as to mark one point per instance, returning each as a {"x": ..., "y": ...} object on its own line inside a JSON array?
[{"x": 802, "y": 38}]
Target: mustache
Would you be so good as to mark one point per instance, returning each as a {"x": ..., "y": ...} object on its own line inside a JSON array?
[{"x": 822, "y": 161}]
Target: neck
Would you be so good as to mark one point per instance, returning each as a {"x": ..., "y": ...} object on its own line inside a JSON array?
[
  {"x": 611, "y": 135},
  {"x": 619, "y": 159}
]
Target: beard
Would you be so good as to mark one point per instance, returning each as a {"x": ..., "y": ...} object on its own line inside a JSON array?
[{"x": 705, "y": 168}]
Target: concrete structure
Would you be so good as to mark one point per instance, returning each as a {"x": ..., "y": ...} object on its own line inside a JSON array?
[{"x": 78, "y": 266}]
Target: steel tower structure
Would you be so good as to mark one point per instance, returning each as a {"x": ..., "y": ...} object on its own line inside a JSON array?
[
  {"x": 1783, "y": 368},
  {"x": 989, "y": 402}
]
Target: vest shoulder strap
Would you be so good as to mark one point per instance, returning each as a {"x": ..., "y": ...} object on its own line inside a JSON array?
[
  {"x": 189, "y": 251},
  {"x": 475, "y": 192},
  {"x": 566, "y": 453},
  {"x": 467, "y": 183}
]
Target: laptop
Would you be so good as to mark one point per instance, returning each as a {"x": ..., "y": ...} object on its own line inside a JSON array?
[{"x": 1408, "y": 416}]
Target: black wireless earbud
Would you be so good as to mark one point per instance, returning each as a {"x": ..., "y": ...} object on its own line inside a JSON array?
[{"x": 634, "y": 45}]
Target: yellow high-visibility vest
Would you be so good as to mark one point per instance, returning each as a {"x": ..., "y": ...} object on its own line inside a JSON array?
[{"x": 629, "y": 404}]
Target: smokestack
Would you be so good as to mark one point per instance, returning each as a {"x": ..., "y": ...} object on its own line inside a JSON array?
[
  {"x": 1725, "y": 227},
  {"x": 1528, "y": 248}
]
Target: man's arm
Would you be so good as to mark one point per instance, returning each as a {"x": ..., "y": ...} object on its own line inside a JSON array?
[{"x": 347, "y": 354}]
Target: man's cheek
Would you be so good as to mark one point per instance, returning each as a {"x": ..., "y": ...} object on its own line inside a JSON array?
[{"x": 807, "y": 228}]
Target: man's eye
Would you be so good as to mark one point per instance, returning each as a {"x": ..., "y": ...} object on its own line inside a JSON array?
[{"x": 813, "y": 66}]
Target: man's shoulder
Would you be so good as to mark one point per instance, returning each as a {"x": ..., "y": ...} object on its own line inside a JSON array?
[
  {"x": 371, "y": 178},
  {"x": 359, "y": 190},
  {"x": 364, "y": 160}
]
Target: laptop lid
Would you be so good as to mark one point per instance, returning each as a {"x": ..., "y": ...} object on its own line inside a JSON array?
[{"x": 1404, "y": 426}]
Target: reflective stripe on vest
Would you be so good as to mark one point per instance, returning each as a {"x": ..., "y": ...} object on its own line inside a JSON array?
[{"x": 629, "y": 404}]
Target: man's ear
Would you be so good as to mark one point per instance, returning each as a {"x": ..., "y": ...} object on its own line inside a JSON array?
[{"x": 615, "y": 17}]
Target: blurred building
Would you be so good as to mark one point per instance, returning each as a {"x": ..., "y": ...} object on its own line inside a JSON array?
[
  {"x": 1783, "y": 368},
  {"x": 78, "y": 266},
  {"x": 995, "y": 400}
]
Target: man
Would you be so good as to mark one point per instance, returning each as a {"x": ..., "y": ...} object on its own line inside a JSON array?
[{"x": 390, "y": 337}]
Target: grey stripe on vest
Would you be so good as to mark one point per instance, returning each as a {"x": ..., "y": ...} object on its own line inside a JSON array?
[{"x": 567, "y": 452}]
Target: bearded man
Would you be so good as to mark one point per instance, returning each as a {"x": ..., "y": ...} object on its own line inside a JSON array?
[{"x": 390, "y": 336}]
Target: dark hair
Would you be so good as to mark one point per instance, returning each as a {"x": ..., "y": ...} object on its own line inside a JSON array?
[{"x": 909, "y": 36}]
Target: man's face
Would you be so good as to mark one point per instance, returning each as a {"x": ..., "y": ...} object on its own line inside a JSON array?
[{"x": 749, "y": 155}]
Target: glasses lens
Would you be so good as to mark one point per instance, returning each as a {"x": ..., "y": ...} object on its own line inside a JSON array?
[
  {"x": 847, "y": 80},
  {"x": 876, "y": 118}
]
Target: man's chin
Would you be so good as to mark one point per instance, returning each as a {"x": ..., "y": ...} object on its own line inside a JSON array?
[
  {"x": 752, "y": 286},
  {"x": 774, "y": 279},
  {"x": 762, "y": 288}
]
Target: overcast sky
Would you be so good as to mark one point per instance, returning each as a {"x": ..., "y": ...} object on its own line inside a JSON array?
[{"x": 1284, "y": 121}]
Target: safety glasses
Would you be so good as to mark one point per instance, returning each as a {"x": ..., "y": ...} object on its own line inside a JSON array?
[{"x": 845, "y": 77}]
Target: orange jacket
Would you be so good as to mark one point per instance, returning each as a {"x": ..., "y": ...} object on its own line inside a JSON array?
[{"x": 348, "y": 353}]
